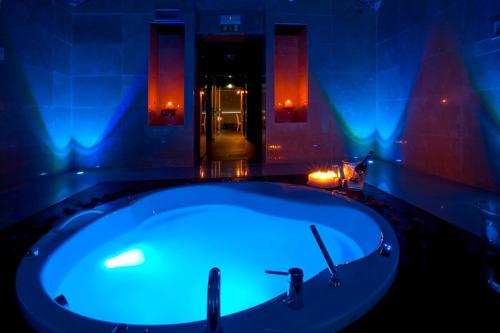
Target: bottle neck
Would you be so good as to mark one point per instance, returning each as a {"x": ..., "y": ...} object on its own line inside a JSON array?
[{"x": 364, "y": 162}]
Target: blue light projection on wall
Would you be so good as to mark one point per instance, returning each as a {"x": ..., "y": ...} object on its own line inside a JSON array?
[
  {"x": 399, "y": 63},
  {"x": 372, "y": 113},
  {"x": 69, "y": 131}
]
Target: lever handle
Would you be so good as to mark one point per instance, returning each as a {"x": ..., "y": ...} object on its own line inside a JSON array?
[
  {"x": 276, "y": 272},
  {"x": 334, "y": 280}
]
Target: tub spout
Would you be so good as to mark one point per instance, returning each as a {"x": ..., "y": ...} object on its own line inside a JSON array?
[{"x": 213, "y": 302}]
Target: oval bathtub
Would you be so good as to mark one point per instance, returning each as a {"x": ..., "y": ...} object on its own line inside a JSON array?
[{"x": 146, "y": 265}]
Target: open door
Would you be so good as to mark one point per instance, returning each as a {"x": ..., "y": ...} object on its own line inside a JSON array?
[{"x": 230, "y": 98}]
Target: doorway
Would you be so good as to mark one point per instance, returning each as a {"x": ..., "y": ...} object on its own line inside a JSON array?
[{"x": 230, "y": 76}]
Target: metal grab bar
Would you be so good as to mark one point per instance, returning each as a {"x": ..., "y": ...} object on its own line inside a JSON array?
[
  {"x": 334, "y": 280},
  {"x": 213, "y": 301}
]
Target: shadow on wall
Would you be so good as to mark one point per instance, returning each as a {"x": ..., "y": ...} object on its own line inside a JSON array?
[{"x": 448, "y": 129}]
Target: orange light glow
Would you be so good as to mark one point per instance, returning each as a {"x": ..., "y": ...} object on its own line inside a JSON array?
[
  {"x": 274, "y": 147},
  {"x": 324, "y": 179},
  {"x": 202, "y": 93},
  {"x": 348, "y": 170},
  {"x": 241, "y": 172},
  {"x": 166, "y": 82},
  {"x": 444, "y": 101},
  {"x": 290, "y": 74}
]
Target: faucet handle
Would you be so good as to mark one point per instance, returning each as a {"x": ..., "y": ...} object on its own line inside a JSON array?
[
  {"x": 294, "y": 299},
  {"x": 335, "y": 279},
  {"x": 277, "y": 272}
]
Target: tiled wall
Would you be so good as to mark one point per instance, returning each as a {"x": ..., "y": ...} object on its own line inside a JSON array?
[
  {"x": 35, "y": 89},
  {"x": 418, "y": 81},
  {"x": 341, "y": 109},
  {"x": 438, "y": 88},
  {"x": 98, "y": 116},
  {"x": 110, "y": 75}
]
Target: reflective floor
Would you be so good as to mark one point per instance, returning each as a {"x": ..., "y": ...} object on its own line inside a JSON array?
[
  {"x": 449, "y": 201},
  {"x": 230, "y": 145}
]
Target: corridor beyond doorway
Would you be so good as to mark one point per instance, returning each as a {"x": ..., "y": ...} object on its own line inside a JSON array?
[
  {"x": 231, "y": 145},
  {"x": 230, "y": 98}
]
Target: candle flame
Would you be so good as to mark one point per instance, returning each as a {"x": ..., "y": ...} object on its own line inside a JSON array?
[
  {"x": 324, "y": 178},
  {"x": 324, "y": 175}
]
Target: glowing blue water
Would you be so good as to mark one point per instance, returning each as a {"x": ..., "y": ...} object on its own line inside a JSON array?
[{"x": 163, "y": 277}]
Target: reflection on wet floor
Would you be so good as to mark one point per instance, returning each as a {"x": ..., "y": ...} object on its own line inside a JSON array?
[
  {"x": 447, "y": 200},
  {"x": 231, "y": 145},
  {"x": 221, "y": 169}
]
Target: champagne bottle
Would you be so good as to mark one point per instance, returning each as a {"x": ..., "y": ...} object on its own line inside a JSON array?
[{"x": 362, "y": 166}]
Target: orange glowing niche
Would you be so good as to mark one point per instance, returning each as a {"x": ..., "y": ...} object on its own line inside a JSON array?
[
  {"x": 290, "y": 73},
  {"x": 166, "y": 75}
]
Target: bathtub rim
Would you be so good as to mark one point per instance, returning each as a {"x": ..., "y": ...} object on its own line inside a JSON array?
[{"x": 40, "y": 310}]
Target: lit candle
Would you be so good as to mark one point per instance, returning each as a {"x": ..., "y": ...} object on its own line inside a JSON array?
[
  {"x": 288, "y": 103},
  {"x": 170, "y": 104},
  {"x": 324, "y": 179}
]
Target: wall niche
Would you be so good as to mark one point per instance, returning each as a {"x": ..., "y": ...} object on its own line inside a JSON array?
[
  {"x": 290, "y": 73},
  {"x": 166, "y": 75}
]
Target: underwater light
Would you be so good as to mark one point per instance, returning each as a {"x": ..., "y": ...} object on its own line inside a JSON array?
[
  {"x": 80, "y": 172},
  {"x": 370, "y": 161},
  {"x": 129, "y": 258},
  {"x": 43, "y": 174}
]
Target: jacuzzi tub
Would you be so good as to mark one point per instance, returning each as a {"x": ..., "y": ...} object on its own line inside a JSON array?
[{"x": 146, "y": 265}]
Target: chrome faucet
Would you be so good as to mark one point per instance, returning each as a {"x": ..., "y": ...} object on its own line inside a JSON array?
[
  {"x": 294, "y": 299},
  {"x": 213, "y": 302},
  {"x": 334, "y": 279}
]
